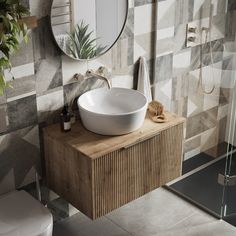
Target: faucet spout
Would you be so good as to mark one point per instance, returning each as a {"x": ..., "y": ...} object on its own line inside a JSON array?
[{"x": 90, "y": 73}]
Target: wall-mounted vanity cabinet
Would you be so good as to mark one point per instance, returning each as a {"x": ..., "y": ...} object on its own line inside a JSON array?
[{"x": 98, "y": 174}]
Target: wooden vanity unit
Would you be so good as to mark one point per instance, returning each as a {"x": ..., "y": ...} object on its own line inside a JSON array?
[{"x": 98, "y": 174}]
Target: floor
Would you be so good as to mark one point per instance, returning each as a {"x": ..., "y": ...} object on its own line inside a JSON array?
[
  {"x": 159, "y": 212},
  {"x": 216, "y": 198}
]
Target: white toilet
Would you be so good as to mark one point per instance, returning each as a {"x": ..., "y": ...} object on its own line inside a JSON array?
[{"x": 22, "y": 215}]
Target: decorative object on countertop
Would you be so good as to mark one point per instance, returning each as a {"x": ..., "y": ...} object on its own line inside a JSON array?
[
  {"x": 156, "y": 112},
  {"x": 144, "y": 80},
  {"x": 13, "y": 27},
  {"x": 65, "y": 119}
]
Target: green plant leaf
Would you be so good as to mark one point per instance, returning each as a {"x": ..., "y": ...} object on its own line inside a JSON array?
[{"x": 11, "y": 12}]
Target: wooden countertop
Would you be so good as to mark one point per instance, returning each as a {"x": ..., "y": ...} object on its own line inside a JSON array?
[{"x": 95, "y": 145}]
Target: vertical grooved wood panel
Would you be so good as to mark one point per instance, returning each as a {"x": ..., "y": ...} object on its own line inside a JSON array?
[{"x": 96, "y": 180}]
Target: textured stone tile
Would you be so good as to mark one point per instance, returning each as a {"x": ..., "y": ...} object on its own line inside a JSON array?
[
  {"x": 3, "y": 99},
  {"x": 231, "y": 5},
  {"x": 3, "y": 118},
  {"x": 145, "y": 24},
  {"x": 192, "y": 144},
  {"x": 166, "y": 14},
  {"x": 81, "y": 225},
  {"x": 183, "y": 12},
  {"x": 144, "y": 46},
  {"x": 164, "y": 66},
  {"x": 49, "y": 106},
  {"x": 230, "y": 26},
  {"x": 181, "y": 62},
  {"x": 209, "y": 139},
  {"x": 165, "y": 46},
  {"x": 217, "y": 51},
  {"x": 40, "y": 8},
  {"x": 201, "y": 9},
  {"x": 179, "y": 38},
  {"x": 22, "y": 112},
  {"x": 163, "y": 93},
  {"x": 22, "y": 87},
  {"x": 152, "y": 214},
  {"x": 201, "y": 122},
  {"x": 25, "y": 54},
  {"x": 17, "y": 157},
  {"x": 142, "y": 2}
]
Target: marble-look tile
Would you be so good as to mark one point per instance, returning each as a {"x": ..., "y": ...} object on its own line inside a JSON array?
[
  {"x": 192, "y": 153},
  {"x": 181, "y": 62},
  {"x": 230, "y": 26},
  {"x": 152, "y": 214},
  {"x": 144, "y": 25},
  {"x": 20, "y": 71},
  {"x": 216, "y": 228},
  {"x": 43, "y": 42},
  {"x": 201, "y": 122},
  {"x": 217, "y": 54},
  {"x": 165, "y": 33},
  {"x": 179, "y": 106},
  {"x": 166, "y": 14},
  {"x": 179, "y": 39},
  {"x": 142, "y": 2},
  {"x": 144, "y": 46},
  {"x": 209, "y": 139},
  {"x": 17, "y": 157},
  {"x": 165, "y": 46},
  {"x": 224, "y": 96},
  {"x": 49, "y": 106},
  {"x": 163, "y": 68},
  {"x": 183, "y": 12},
  {"x": 40, "y": 8},
  {"x": 201, "y": 9},
  {"x": 22, "y": 112},
  {"x": 163, "y": 93},
  {"x": 231, "y": 5},
  {"x": 192, "y": 144},
  {"x": 180, "y": 86},
  {"x": 81, "y": 225},
  {"x": 3, "y": 118},
  {"x": 3, "y": 99},
  {"x": 25, "y": 54},
  {"x": 50, "y": 80},
  {"x": 21, "y": 87},
  {"x": 222, "y": 129}
]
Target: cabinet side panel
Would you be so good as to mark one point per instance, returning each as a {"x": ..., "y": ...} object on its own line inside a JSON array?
[
  {"x": 125, "y": 175},
  {"x": 68, "y": 173},
  {"x": 171, "y": 141}
]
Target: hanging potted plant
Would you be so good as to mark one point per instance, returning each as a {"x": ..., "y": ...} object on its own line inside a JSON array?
[{"x": 12, "y": 31}]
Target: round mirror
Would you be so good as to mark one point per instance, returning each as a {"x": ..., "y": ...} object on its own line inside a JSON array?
[{"x": 86, "y": 29}]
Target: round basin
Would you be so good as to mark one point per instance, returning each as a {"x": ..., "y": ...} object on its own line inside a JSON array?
[{"x": 114, "y": 111}]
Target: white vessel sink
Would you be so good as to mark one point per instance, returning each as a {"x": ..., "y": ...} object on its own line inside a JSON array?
[{"x": 114, "y": 111}]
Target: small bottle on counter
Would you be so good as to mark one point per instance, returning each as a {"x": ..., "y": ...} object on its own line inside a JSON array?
[{"x": 65, "y": 119}]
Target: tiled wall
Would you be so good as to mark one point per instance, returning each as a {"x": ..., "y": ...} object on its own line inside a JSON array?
[
  {"x": 177, "y": 69},
  {"x": 44, "y": 78}
]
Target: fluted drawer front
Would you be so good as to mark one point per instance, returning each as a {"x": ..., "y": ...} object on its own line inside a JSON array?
[
  {"x": 98, "y": 174},
  {"x": 127, "y": 174}
]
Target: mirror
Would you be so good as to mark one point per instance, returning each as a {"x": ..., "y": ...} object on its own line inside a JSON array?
[{"x": 86, "y": 29}]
